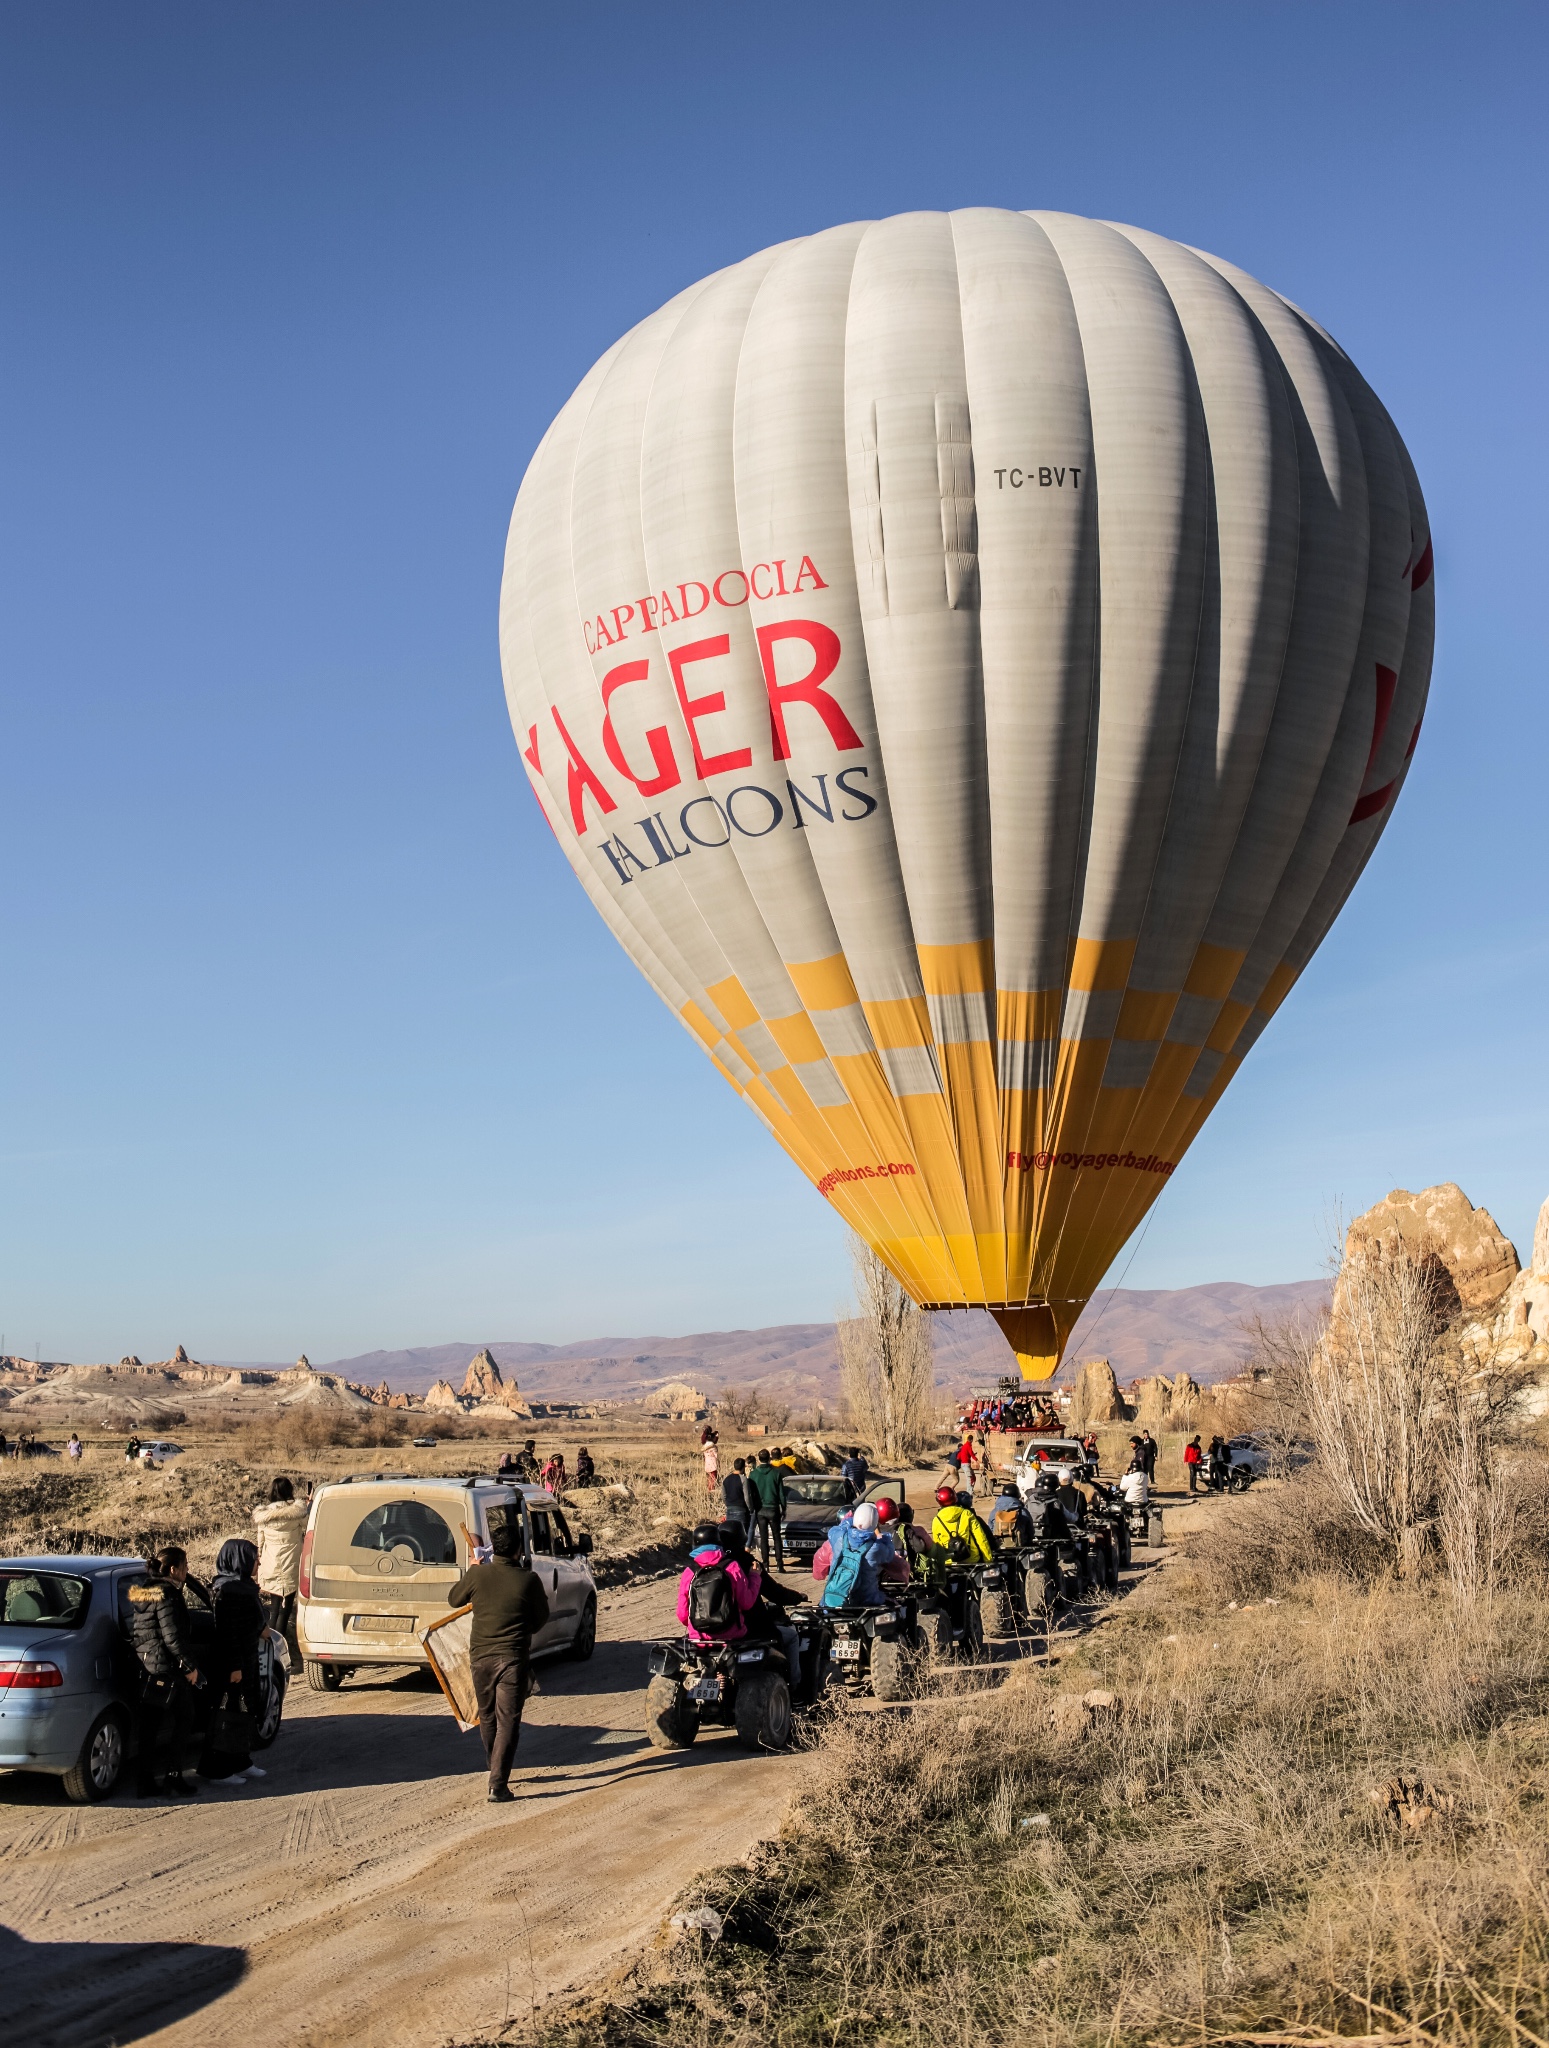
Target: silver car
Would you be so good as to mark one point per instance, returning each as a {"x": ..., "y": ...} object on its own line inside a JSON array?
[{"x": 68, "y": 1674}]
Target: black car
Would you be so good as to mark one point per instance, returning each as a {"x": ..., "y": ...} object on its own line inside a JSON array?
[{"x": 814, "y": 1501}]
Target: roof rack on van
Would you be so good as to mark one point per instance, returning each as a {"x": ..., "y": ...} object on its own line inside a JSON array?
[{"x": 370, "y": 1478}]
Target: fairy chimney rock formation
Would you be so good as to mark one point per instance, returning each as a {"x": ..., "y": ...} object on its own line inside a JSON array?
[
  {"x": 1096, "y": 1397},
  {"x": 180, "y": 1357},
  {"x": 483, "y": 1386},
  {"x": 443, "y": 1395},
  {"x": 1441, "y": 1223}
]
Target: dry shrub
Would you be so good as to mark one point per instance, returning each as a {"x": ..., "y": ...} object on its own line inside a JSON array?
[{"x": 1205, "y": 1864}]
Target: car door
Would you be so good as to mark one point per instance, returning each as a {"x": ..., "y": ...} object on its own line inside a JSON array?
[
  {"x": 546, "y": 1563},
  {"x": 575, "y": 1583}
]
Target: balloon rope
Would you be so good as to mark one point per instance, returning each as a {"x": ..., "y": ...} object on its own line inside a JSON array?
[{"x": 1113, "y": 1290}]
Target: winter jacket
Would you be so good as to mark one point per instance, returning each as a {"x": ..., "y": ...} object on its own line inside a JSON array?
[
  {"x": 158, "y": 1628},
  {"x": 735, "y": 1495},
  {"x": 509, "y": 1606},
  {"x": 745, "y": 1587},
  {"x": 766, "y": 1485},
  {"x": 239, "y": 1624},
  {"x": 955, "y": 1521},
  {"x": 855, "y": 1585},
  {"x": 1193, "y": 1455},
  {"x": 857, "y": 1472},
  {"x": 1135, "y": 1487},
  {"x": 281, "y": 1526}
]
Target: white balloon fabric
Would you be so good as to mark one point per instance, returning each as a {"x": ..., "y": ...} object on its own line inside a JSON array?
[{"x": 968, "y": 660}]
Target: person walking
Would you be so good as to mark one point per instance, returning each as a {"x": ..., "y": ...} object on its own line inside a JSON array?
[
  {"x": 509, "y": 1605},
  {"x": 168, "y": 1677},
  {"x": 240, "y": 1625},
  {"x": 766, "y": 1483},
  {"x": 1193, "y": 1458},
  {"x": 734, "y": 1493},
  {"x": 281, "y": 1523},
  {"x": 712, "y": 1451}
]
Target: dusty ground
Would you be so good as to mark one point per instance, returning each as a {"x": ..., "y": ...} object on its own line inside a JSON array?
[{"x": 365, "y": 1892}]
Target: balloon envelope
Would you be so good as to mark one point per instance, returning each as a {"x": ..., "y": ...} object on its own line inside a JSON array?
[{"x": 967, "y": 660}]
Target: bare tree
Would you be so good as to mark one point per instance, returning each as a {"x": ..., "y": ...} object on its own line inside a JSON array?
[{"x": 886, "y": 1366}]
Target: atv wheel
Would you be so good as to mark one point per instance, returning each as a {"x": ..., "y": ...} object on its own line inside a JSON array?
[
  {"x": 890, "y": 1670},
  {"x": 1126, "y": 1554},
  {"x": 1110, "y": 1568},
  {"x": 763, "y": 1711},
  {"x": 323, "y": 1677},
  {"x": 936, "y": 1628},
  {"x": 671, "y": 1721},
  {"x": 995, "y": 1613},
  {"x": 1042, "y": 1595},
  {"x": 973, "y": 1632}
]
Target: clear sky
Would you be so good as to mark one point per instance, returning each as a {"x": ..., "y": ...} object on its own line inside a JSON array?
[{"x": 311, "y": 1038}]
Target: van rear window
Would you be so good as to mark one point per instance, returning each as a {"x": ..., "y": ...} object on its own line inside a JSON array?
[{"x": 407, "y": 1526}]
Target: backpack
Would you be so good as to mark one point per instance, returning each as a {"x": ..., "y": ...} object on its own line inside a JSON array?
[
  {"x": 843, "y": 1573},
  {"x": 712, "y": 1599},
  {"x": 1006, "y": 1520}
]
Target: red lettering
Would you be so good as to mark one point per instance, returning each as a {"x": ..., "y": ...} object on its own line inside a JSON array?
[
  {"x": 628, "y": 612},
  {"x": 806, "y": 570},
  {"x": 648, "y": 613},
  {"x": 762, "y": 595},
  {"x": 530, "y": 751},
  {"x": 586, "y": 635},
  {"x": 692, "y": 611},
  {"x": 733, "y": 601},
  {"x": 780, "y": 572},
  {"x": 580, "y": 777},
  {"x": 666, "y": 609},
  {"x": 657, "y": 739},
  {"x": 702, "y": 707},
  {"x": 604, "y": 637},
  {"x": 807, "y": 689}
]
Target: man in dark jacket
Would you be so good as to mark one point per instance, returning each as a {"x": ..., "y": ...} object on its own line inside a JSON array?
[
  {"x": 766, "y": 1488},
  {"x": 509, "y": 1604},
  {"x": 734, "y": 1493},
  {"x": 168, "y": 1675}
]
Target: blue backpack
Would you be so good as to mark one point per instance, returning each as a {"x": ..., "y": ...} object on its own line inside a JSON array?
[{"x": 848, "y": 1552}]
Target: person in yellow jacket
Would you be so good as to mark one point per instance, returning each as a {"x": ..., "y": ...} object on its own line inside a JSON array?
[{"x": 953, "y": 1521}]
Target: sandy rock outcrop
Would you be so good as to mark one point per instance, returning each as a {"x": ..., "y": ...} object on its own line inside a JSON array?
[
  {"x": 180, "y": 1357},
  {"x": 443, "y": 1395},
  {"x": 1163, "y": 1403},
  {"x": 1441, "y": 1223},
  {"x": 1096, "y": 1397},
  {"x": 484, "y": 1387},
  {"x": 1522, "y": 1313},
  {"x": 677, "y": 1401}
]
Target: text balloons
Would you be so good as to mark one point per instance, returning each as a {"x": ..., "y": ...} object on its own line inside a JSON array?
[{"x": 968, "y": 659}]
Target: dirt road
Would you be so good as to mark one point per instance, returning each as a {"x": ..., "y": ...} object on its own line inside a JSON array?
[{"x": 365, "y": 1892}]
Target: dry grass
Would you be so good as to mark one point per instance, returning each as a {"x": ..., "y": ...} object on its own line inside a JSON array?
[
  {"x": 1207, "y": 1865},
  {"x": 112, "y": 1509}
]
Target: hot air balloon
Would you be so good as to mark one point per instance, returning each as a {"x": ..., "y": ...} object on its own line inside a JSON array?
[{"x": 968, "y": 659}]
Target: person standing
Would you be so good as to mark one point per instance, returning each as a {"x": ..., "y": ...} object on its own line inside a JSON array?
[
  {"x": 73, "y": 1449},
  {"x": 239, "y": 1629},
  {"x": 281, "y": 1523},
  {"x": 168, "y": 1676},
  {"x": 1219, "y": 1462},
  {"x": 1193, "y": 1457},
  {"x": 509, "y": 1604},
  {"x": 1148, "y": 1455},
  {"x": 856, "y": 1471},
  {"x": 734, "y": 1493},
  {"x": 585, "y": 1469},
  {"x": 712, "y": 1453},
  {"x": 766, "y": 1482}
]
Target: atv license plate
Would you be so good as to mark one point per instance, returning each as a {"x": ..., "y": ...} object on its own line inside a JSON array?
[
  {"x": 706, "y": 1690},
  {"x": 847, "y": 1653}
]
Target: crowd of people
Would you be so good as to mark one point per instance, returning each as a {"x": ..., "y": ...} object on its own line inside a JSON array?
[{"x": 1029, "y": 1413}]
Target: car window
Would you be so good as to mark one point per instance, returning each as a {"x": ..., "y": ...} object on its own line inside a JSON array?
[
  {"x": 807, "y": 1491},
  {"x": 407, "y": 1528},
  {"x": 563, "y": 1542},
  {"x": 43, "y": 1599},
  {"x": 542, "y": 1542}
]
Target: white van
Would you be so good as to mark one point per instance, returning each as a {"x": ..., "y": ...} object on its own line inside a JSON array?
[{"x": 382, "y": 1552}]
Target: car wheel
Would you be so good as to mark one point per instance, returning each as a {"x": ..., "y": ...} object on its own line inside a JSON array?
[
  {"x": 101, "y": 1762},
  {"x": 274, "y": 1706},
  {"x": 1240, "y": 1480},
  {"x": 586, "y": 1634},
  {"x": 763, "y": 1711},
  {"x": 671, "y": 1721},
  {"x": 995, "y": 1612},
  {"x": 323, "y": 1677}
]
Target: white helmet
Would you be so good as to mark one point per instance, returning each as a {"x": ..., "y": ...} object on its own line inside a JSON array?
[{"x": 866, "y": 1516}]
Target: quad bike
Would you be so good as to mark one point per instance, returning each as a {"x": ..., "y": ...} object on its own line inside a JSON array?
[
  {"x": 879, "y": 1649},
  {"x": 950, "y": 1618},
  {"x": 745, "y": 1684}
]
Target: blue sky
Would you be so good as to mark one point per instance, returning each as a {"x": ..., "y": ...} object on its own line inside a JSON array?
[{"x": 312, "y": 1040}]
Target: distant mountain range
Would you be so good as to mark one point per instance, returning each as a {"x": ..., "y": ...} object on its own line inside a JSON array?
[{"x": 1200, "y": 1330}]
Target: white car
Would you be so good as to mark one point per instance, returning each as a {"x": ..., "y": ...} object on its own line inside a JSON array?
[
  {"x": 382, "y": 1552},
  {"x": 1065, "y": 1456}
]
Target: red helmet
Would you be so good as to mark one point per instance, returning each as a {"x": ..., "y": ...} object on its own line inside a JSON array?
[
  {"x": 886, "y": 1510},
  {"x": 945, "y": 1496}
]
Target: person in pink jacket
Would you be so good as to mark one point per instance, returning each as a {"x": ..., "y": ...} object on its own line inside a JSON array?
[{"x": 715, "y": 1584}]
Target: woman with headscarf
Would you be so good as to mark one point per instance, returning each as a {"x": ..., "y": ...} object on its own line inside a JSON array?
[{"x": 240, "y": 1625}]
